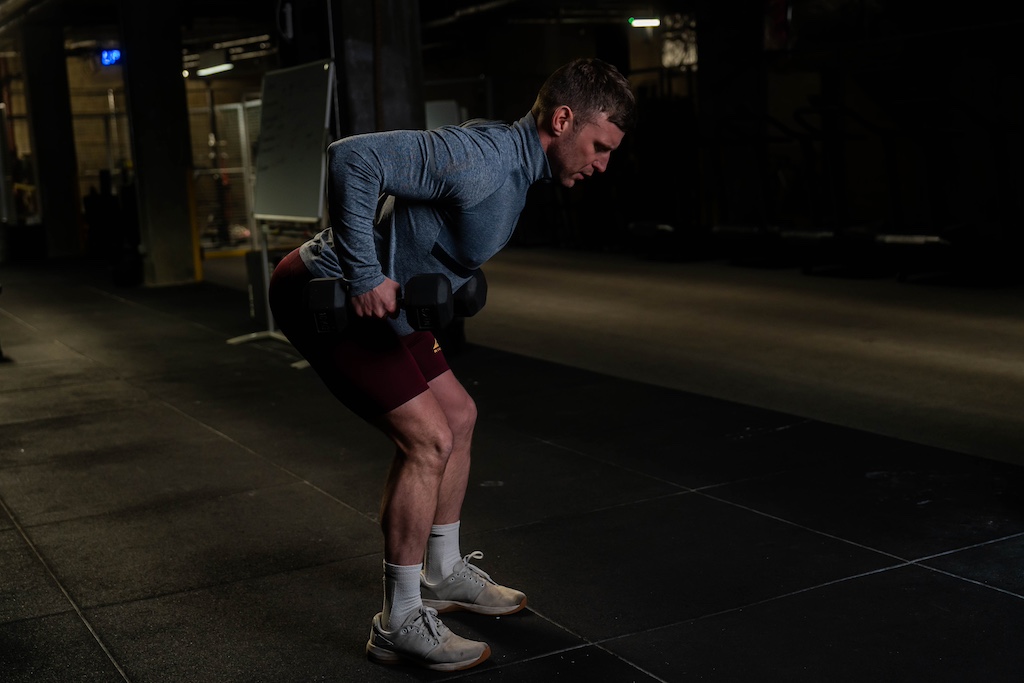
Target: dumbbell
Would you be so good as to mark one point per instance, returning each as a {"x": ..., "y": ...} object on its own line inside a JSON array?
[{"x": 427, "y": 300}]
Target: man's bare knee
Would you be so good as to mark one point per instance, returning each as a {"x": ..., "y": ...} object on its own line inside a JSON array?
[
  {"x": 429, "y": 447},
  {"x": 462, "y": 417},
  {"x": 458, "y": 406}
]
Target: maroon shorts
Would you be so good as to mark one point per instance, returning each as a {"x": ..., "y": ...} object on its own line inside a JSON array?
[{"x": 368, "y": 367}]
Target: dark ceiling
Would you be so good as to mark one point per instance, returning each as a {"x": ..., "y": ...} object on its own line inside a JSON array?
[
  {"x": 209, "y": 24},
  {"x": 210, "y": 21}
]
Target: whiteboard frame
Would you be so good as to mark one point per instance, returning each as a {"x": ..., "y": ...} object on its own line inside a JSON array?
[
  {"x": 274, "y": 100},
  {"x": 270, "y": 80}
]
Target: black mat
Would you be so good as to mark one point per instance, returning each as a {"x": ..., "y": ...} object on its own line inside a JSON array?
[{"x": 177, "y": 508}]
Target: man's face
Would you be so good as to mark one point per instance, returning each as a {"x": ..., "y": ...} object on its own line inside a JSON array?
[{"x": 583, "y": 150}]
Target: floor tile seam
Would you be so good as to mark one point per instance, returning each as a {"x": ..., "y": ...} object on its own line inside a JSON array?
[
  {"x": 153, "y": 310},
  {"x": 742, "y": 480},
  {"x": 225, "y": 584},
  {"x": 297, "y": 477},
  {"x": 582, "y": 513},
  {"x": 630, "y": 663},
  {"x": 803, "y": 527},
  {"x": 472, "y": 673},
  {"x": 756, "y": 603},
  {"x": 84, "y": 411},
  {"x": 616, "y": 465},
  {"x": 759, "y": 432},
  {"x": 691, "y": 489},
  {"x": 50, "y": 361},
  {"x": 81, "y": 354},
  {"x": 163, "y": 505},
  {"x": 133, "y": 304},
  {"x": 921, "y": 562},
  {"x": 510, "y": 666},
  {"x": 64, "y": 591},
  {"x": 45, "y": 386},
  {"x": 28, "y": 363},
  {"x": 39, "y": 617},
  {"x": 967, "y": 579},
  {"x": 968, "y": 547},
  {"x": 584, "y": 643},
  {"x": 20, "y": 321}
]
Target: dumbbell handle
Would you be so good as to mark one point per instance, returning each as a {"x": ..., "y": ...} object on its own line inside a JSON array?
[
  {"x": 377, "y": 302},
  {"x": 426, "y": 299}
]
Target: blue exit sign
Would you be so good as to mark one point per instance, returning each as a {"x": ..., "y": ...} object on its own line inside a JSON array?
[{"x": 110, "y": 57}]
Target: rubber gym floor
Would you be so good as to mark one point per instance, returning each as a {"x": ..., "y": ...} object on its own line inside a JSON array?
[{"x": 695, "y": 471}]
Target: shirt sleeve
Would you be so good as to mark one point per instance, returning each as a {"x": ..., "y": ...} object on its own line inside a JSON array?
[{"x": 450, "y": 166}]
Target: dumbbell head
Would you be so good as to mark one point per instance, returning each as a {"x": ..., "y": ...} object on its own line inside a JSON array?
[
  {"x": 427, "y": 301},
  {"x": 471, "y": 296},
  {"x": 327, "y": 299}
]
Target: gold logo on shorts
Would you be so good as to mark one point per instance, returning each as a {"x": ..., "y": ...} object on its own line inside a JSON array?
[{"x": 437, "y": 346}]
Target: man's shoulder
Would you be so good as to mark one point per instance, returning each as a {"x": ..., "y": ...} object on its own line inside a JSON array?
[
  {"x": 486, "y": 124},
  {"x": 484, "y": 137},
  {"x": 480, "y": 129}
]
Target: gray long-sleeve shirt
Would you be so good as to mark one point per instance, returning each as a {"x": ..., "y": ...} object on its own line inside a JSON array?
[{"x": 409, "y": 202}]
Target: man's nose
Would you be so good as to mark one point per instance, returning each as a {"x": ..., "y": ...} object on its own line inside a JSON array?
[{"x": 600, "y": 165}]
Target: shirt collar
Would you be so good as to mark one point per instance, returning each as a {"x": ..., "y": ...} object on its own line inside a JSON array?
[{"x": 537, "y": 161}]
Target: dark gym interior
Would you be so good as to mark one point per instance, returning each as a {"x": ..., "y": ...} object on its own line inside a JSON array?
[{"x": 749, "y": 401}]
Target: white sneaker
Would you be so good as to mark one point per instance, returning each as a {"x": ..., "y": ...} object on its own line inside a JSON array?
[
  {"x": 470, "y": 588},
  {"x": 424, "y": 641}
]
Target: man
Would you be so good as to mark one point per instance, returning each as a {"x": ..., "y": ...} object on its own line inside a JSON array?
[{"x": 444, "y": 201}]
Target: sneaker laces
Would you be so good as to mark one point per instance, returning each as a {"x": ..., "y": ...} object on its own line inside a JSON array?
[
  {"x": 428, "y": 615},
  {"x": 476, "y": 555}
]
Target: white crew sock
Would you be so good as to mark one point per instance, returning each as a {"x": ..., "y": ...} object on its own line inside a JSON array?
[
  {"x": 442, "y": 551},
  {"x": 401, "y": 594}
]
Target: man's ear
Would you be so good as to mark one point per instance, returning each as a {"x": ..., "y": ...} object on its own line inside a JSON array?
[{"x": 561, "y": 120}]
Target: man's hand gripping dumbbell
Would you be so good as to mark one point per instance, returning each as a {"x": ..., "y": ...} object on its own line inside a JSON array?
[{"x": 427, "y": 299}]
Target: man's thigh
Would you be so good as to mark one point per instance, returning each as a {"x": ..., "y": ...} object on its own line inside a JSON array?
[
  {"x": 367, "y": 367},
  {"x": 375, "y": 375}
]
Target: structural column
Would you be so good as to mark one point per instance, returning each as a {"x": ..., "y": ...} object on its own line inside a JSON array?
[
  {"x": 53, "y": 141},
  {"x": 398, "y": 60},
  {"x": 375, "y": 45},
  {"x": 162, "y": 149}
]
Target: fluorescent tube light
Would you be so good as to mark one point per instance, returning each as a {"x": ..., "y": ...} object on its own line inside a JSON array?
[
  {"x": 214, "y": 62},
  {"x": 216, "y": 69}
]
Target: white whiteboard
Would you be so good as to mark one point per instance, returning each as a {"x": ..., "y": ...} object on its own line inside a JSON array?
[{"x": 290, "y": 153}]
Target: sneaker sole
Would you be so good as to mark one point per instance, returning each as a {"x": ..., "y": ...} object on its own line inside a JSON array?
[
  {"x": 381, "y": 655},
  {"x": 444, "y": 606}
]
